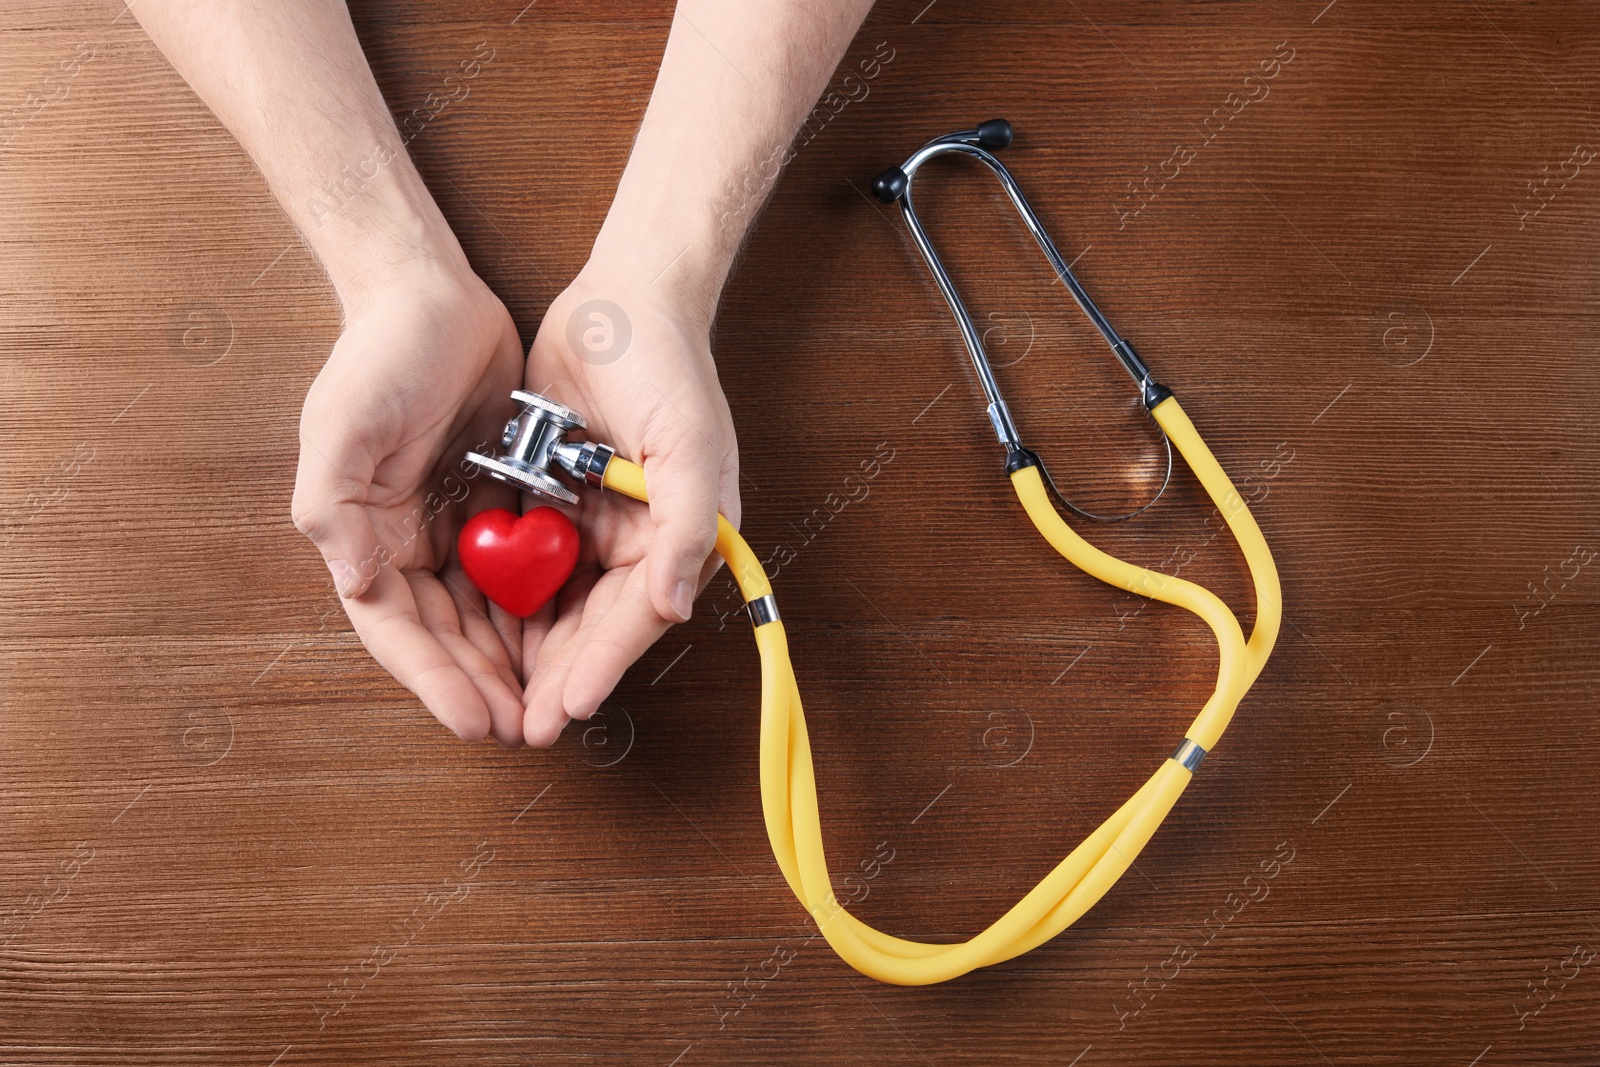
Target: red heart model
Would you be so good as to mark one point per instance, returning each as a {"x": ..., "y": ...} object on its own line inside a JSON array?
[{"x": 519, "y": 563}]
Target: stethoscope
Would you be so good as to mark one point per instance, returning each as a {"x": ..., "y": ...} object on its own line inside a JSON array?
[{"x": 535, "y": 441}]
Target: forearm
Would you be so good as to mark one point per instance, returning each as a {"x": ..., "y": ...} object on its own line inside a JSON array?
[
  {"x": 290, "y": 81},
  {"x": 736, "y": 81}
]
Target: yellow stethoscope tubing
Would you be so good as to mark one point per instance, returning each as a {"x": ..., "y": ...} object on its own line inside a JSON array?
[{"x": 788, "y": 782}]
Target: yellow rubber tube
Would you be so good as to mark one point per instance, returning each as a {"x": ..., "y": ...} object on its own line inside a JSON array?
[{"x": 788, "y": 783}]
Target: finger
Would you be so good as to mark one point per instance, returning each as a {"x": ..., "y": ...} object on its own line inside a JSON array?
[
  {"x": 541, "y": 640},
  {"x": 546, "y": 715},
  {"x": 610, "y": 641},
  {"x": 729, "y": 505},
  {"x": 728, "y": 498},
  {"x": 543, "y": 717},
  {"x": 472, "y": 610},
  {"x": 387, "y": 619},
  {"x": 684, "y": 487},
  {"x": 535, "y": 630},
  {"x": 480, "y": 630},
  {"x": 507, "y": 628},
  {"x": 329, "y": 507},
  {"x": 441, "y": 612}
]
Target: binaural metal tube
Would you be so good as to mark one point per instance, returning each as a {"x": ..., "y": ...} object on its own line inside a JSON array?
[
  {"x": 895, "y": 184},
  {"x": 971, "y": 143}
]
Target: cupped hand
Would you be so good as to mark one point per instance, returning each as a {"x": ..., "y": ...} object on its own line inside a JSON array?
[
  {"x": 420, "y": 376},
  {"x": 637, "y": 364}
]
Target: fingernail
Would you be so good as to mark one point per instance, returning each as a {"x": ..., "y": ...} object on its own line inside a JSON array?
[
  {"x": 583, "y": 711},
  {"x": 682, "y": 599},
  {"x": 344, "y": 576}
]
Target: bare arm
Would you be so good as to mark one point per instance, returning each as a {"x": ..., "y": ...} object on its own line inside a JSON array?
[
  {"x": 736, "y": 81},
  {"x": 290, "y": 82}
]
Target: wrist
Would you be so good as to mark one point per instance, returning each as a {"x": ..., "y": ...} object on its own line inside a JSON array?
[
  {"x": 418, "y": 259},
  {"x": 666, "y": 243},
  {"x": 377, "y": 228},
  {"x": 671, "y": 273}
]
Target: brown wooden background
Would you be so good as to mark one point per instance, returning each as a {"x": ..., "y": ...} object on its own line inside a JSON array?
[{"x": 227, "y": 810}]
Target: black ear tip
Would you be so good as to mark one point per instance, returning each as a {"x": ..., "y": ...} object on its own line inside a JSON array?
[
  {"x": 996, "y": 133},
  {"x": 890, "y": 185}
]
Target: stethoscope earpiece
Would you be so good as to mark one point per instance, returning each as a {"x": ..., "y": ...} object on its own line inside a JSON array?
[{"x": 995, "y": 134}]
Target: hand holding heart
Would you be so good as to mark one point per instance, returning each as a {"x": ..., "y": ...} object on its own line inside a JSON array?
[{"x": 419, "y": 376}]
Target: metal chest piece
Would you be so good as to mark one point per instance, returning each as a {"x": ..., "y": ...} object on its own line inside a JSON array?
[{"x": 534, "y": 441}]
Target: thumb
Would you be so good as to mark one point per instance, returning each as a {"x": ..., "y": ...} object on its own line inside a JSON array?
[
  {"x": 329, "y": 508},
  {"x": 683, "y": 505}
]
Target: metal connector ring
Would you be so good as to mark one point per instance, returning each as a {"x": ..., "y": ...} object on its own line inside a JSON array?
[{"x": 763, "y": 609}]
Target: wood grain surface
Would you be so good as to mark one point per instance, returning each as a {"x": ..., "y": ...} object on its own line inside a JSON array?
[{"x": 228, "y": 837}]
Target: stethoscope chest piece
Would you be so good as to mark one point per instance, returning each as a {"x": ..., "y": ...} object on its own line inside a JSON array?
[{"x": 534, "y": 441}]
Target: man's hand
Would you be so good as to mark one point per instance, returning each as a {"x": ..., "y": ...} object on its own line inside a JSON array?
[
  {"x": 419, "y": 377},
  {"x": 639, "y": 367},
  {"x": 736, "y": 80},
  {"x": 423, "y": 370}
]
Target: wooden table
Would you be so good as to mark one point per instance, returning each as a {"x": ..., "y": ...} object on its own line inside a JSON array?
[{"x": 229, "y": 837}]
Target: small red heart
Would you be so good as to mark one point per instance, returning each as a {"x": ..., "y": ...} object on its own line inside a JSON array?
[{"x": 519, "y": 563}]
